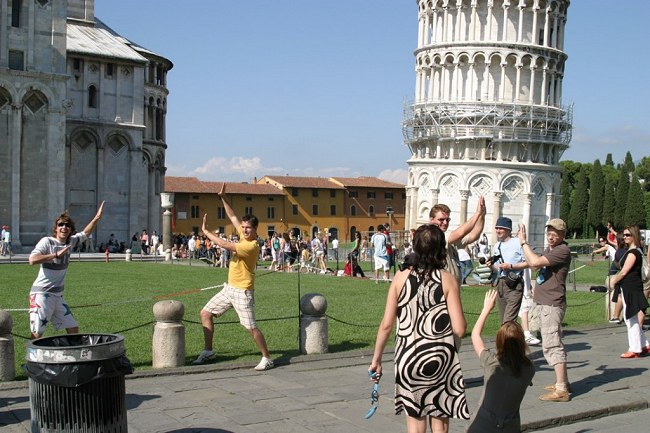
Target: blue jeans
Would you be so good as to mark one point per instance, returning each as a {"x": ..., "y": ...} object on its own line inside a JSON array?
[{"x": 465, "y": 269}]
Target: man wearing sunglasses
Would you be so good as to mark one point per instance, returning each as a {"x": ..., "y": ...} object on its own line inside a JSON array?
[
  {"x": 465, "y": 234},
  {"x": 46, "y": 303}
]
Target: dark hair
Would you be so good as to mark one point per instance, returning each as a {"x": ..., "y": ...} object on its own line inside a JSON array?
[
  {"x": 252, "y": 219},
  {"x": 380, "y": 227},
  {"x": 64, "y": 218},
  {"x": 511, "y": 347},
  {"x": 429, "y": 252}
]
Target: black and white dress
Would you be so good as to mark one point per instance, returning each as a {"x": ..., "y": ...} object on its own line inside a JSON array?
[{"x": 428, "y": 378}]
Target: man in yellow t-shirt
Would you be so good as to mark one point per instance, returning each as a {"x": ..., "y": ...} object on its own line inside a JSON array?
[{"x": 238, "y": 292}]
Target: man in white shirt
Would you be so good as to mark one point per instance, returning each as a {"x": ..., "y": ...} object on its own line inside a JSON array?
[{"x": 464, "y": 235}]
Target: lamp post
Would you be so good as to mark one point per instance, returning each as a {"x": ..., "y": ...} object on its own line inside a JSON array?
[
  {"x": 393, "y": 257},
  {"x": 167, "y": 202}
]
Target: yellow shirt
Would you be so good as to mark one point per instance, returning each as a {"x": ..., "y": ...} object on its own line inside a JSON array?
[{"x": 241, "y": 273}]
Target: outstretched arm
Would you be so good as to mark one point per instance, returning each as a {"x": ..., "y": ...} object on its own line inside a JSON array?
[
  {"x": 472, "y": 227},
  {"x": 231, "y": 213},
  {"x": 93, "y": 222},
  {"x": 488, "y": 304},
  {"x": 223, "y": 243},
  {"x": 534, "y": 261}
]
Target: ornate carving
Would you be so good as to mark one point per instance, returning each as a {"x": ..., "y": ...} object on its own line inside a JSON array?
[{"x": 67, "y": 104}]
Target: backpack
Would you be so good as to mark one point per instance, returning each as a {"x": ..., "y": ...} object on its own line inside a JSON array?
[{"x": 645, "y": 275}]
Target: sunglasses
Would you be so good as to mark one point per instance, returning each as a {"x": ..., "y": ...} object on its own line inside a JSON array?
[
  {"x": 63, "y": 225},
  {"x": 625, "y": 235}
]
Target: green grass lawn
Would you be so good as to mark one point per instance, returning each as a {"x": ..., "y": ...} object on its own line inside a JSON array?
[{"x": 118, "y": 297}]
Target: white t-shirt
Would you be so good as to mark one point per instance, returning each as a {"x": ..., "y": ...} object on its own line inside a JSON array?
[{"x": 51, "y": 276}]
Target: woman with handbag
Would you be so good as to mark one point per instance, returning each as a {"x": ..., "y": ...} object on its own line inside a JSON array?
[{"x": 634, "y": 301}]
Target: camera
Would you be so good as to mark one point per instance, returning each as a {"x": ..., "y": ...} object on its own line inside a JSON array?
[{"x": 493, "y": 259}]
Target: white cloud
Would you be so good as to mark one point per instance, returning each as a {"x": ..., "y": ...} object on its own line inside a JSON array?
[
  {"x": 233, "y": 169},
  {"x": 399, "y": 175}
]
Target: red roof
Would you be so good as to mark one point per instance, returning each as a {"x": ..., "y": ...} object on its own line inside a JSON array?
[
  {"x": 366, "y": 182},
  {"x": 194, "y": 185}
]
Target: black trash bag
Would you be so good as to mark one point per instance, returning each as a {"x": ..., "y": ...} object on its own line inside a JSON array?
[{"x": 77, "y": 374}]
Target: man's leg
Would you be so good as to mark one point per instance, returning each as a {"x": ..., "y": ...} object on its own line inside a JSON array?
[
  {"x": 208, "y": 329},
  {"x": 260, "y": 341}
]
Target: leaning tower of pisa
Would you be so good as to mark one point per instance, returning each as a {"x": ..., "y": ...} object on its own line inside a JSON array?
[{"x": 487, "y": 117}]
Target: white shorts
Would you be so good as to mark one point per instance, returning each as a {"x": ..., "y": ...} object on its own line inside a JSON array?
[
  {"x": 49, "y": 307},
  {"x": 526, "y": 305},
  {"x": 241, "y": 300},
  {"x": 381, "y": 263}
]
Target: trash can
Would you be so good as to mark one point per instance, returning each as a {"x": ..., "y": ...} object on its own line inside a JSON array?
[{"x": 76, "y": 383}]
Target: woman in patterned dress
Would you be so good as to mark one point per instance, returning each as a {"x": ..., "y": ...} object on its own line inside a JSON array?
[{"x": 425, "y": 302}]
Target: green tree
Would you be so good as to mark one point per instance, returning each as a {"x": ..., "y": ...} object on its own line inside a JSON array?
[
  {"x": 596, "y": 194},
  {"x": 643, "y": 171},
  {"x": 609, "y": 162},
  {"x": 635, "y": 213},
  {"x": 609, "y": 203},
  {"x": 565, "y": 200},
  {"x": 628, "y": 163},
  {"x": 579, "y": 203},
  {"x": 621, "y": 197},
  {"x": 647, "y": 209}
]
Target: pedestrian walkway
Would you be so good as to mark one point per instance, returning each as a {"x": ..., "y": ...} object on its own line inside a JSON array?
[{"x": 331, "y": 393}]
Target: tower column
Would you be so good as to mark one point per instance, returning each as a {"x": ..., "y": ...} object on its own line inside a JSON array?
[
  {"x": 464, "y": 194},
  {"x": 496, "y": 211}
]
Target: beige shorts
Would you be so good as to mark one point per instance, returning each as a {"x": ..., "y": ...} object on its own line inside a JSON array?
[
  {"x": 551, "y": 329},
  {"x": 243, "y": 301}
]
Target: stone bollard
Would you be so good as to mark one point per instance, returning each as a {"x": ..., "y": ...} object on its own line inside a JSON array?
[
  {"x": 168, "y": 255},
  {"x": 168, "y": 334},
  {"x": 7, "y": 354},
  {"x": 313, "y": 324},
  {"x": 128, "y": 256}
]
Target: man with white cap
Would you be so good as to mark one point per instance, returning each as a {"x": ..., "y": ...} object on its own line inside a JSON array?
[
  {"x": 550, "y": 299},
  {"x": 509, "y": 264}
]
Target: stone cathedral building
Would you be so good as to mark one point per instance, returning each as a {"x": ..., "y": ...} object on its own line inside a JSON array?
[
  {"x": 487, "y": 117},
  {"x": 82, "y": 119}
]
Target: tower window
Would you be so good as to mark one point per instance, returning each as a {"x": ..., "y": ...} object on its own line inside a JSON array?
[
  {"x": 110, "y": 69},
  {"x": 16, "y": 5},
  {"x": 16, "y": 60},
  {"x": 92, "y": 97}
]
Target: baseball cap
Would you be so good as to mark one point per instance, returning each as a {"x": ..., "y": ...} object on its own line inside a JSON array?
[
  {"x": 557, "y": 224},
  {"x": 504, "y": 223}
]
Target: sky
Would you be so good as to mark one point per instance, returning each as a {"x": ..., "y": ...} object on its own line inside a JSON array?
[{"x": 307, "y": 88}]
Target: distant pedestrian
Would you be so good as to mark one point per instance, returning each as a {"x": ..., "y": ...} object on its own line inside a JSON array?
[
  {"x": 379, "y": 243},
  {"x": 46, "y": 302},
  {"x": 6, "y": 241}
]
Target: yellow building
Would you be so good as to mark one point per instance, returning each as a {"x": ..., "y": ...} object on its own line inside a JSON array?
[
  {"x": 371, "y": 201},
  {"x": 302, "y": 206},
  {"x": 194, "y": 198}
]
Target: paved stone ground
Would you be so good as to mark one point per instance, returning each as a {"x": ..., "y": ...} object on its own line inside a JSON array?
[{"x": 331, "y": 393}]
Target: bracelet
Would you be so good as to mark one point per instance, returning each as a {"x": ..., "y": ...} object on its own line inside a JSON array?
[{"x": 524, "y": 243}]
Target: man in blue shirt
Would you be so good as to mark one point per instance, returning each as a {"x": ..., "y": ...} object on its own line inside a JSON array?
[{"x": 509, "y": 265}]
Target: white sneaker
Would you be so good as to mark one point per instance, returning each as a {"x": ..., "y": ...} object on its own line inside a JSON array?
[
  {"x": 204, "y": 356},
  {"x": 532, "y": 341},
  {"x": 265, "y": 364}
]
